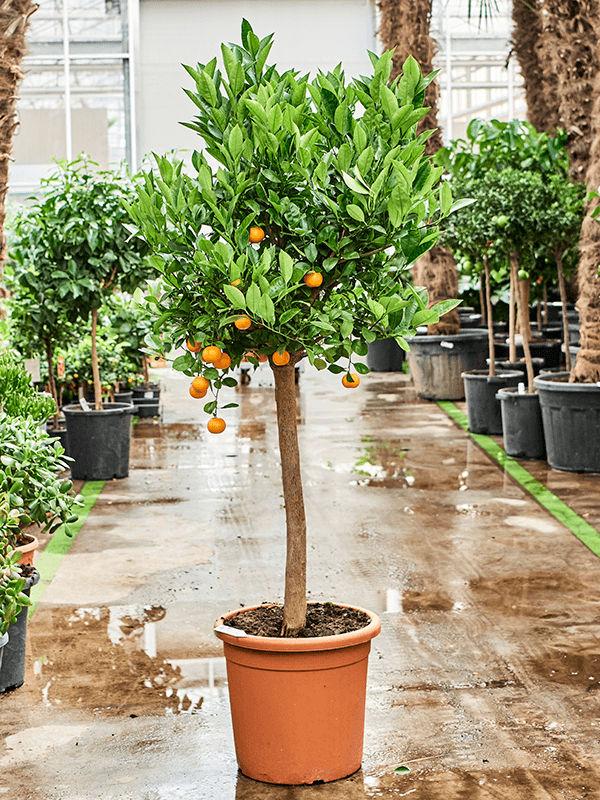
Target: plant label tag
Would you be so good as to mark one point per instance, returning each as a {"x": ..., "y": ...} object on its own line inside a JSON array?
[
  {"x": 84, "y": 404},
  {"x": 32, "y": 366},
  {"x": 148, "y": 395},
  {"x": 231, "y": 631},
  {"x": 448, "y": 345}
]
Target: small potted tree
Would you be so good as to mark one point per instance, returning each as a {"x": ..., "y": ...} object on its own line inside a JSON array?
[
  {"x": 91, "y": 255},
  {"x": 297, "y": 245}
]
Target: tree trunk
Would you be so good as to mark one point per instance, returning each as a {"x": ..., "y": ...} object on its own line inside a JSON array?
[
  {"x": 14, "y": 21},
  {"x": 95, "y": 368},
  {"x": 512, "y": 349},
  {"x": 538, "y": 77},
  {"x": 52, "y": 380},
  {"x": 522, "y": 312},
  {"x": 524, "y": 324},
  {"x": 294, "y": 609},
  {"x": 146, "y": 371},
  {"x": 569, "y": 45},
  {"x": 490, "y": 321},
  {"x": 482, "y": 294}
]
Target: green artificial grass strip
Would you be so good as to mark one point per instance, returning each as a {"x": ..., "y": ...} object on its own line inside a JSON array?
[
  {"x": 49, "y": 561},
  {"x": 559, "y": 510}
]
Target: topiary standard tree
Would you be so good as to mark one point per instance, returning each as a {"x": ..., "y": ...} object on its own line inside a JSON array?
[{"x": 297, "y": 243}]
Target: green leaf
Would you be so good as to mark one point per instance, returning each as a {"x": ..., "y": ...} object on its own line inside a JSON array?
[
  {"x": 231, "y": 405},
  {"x": 235, "y": 297},
  {"x": 210, "y": 407},
  {"x": 336, "y": 369},
  {"x": 355, "y": 212},
  {"x": 361, "y": 368},
  {"x": 424, "y": 317},
  {"x": 236, "y": 142},
  {"x": 353, "y": 184},
  {"x": 402, "y": 343},
  {"x": 360, "y": 347},
  {"x": 288, "y": 315},
  {"x": 253, "y": 298},
  {"x": 286, "y": 266},
  {"x": 266, "y": 308},
  {"x": 231, "y": 382},
  {"x": 401, "y": 770},
  {"x": 445, "y": 197}
]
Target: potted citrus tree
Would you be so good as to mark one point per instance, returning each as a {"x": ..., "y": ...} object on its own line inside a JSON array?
[
  {"x": 90, "y": 254},
  {"x": 292, "y": 239}
]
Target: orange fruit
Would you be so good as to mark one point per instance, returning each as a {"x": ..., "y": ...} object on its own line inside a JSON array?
[
  {"x": 313, "y": 279},
  {"x": 256, "y": 234},
  {"x": 243, "y": 323},
  {"x": 216, "y": 425},
  {"x": 197, "y": 393},
  {"x": 262, "y": 358},
  {"x": 236, "y": 283},
  {"x": 211, "y": 354},
  {"x": 201, "y": 384},
  {"x": 224, "y": 362},
  {"x": 351, "y": 382},
  {"x": 281, "y": 359},
  {"x": 194, "y": 347}
]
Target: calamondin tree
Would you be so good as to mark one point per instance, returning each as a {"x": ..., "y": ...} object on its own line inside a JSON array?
[{"x": 293, "y": 235}]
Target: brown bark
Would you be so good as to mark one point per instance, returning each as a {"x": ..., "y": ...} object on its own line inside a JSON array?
[
  {"x": 482, "y": 304},
  {"x": 522, "y": 312},
  {"x": 436, "y": 270},
  {"x": 512, "y": 349},
  {"x": 405, "y": 25},
  {"x": 569, "y": 45},
  {"x": 294, "y": 609},
  {"x": 14, "y": 21},
  {"x": 539, "y": 79},
  {"x": 146, "y": 371},
  {"x": 587, "y": 366},
  {"x": 95, "y": 368},
  {"x": 524, "y": 324}
]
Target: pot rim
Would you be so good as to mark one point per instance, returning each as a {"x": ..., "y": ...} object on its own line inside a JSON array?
[
  {"x": 510, "y": 392},
  {"x": 109, "y": 409},
  {"x": 472, "y": 333},
  {"x": 483, "y": 374},
  {"x": 312, "y": 644},
  {"x": 551, "y": 381},
  {"x": 31, "y": 544}
]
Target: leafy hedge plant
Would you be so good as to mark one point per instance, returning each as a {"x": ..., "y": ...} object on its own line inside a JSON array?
[{"x": 18, "y": 395}]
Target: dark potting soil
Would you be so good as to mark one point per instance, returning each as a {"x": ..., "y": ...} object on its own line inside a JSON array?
[{"x": 322, "y": 619}]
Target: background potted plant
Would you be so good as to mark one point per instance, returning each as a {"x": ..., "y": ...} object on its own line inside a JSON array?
[
  {"x": 12, "y": 584},
  {"x": 92, "y": 255},
  {"x": 297, "y": 245}
]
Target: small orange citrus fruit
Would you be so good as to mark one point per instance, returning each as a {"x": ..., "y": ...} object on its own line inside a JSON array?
[
  {"x": 243, "y": 323},
  {"x": 313, "y": 279},
  {"x": 224, "y": 362},
  {"x": 201, "y": 384},
  {"x": 194, "y": 347},
  {"x": 211, "y": 354},
  {"x": 281, "y": 359},
  {"x": 216, "y": 425},
  {"x": 197, "y": 393},
  {"x": 351, "y": 382},
  {"x": 236, "y": 283},
  {"x": 256, "y": 234}
]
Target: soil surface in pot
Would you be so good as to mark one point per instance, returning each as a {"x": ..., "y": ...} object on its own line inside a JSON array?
[{"x": 322, "y": 619}]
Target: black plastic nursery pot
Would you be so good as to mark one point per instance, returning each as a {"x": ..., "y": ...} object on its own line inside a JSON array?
[
  {"x": 123, "y": 397},
  {"x": 99, "y": 441},
  {"x": 12, "y": 666},
  {"x": 147, "y": 406},
  {"x": 61, "y": 435},
  {"x": 385, "y": 355},
  {"x": 438, "y": 362},
  {"x": 548, "y": 349},
  {"x": 571, "y": 418},
  {"x": 538, "y": 365},
  {"x": 3, "y": 643},
  {"x": 483, "y": 409},
  {"x": 522, "y": 425},
  {"x": 146, "y": 393}
]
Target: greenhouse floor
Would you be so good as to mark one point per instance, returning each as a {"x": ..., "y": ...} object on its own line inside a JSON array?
[{"x": 484, "y": 682}]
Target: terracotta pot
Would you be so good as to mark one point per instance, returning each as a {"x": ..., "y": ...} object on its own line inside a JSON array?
[
  {"x": 28, "y": 549},
  {"x": 298, "y": 705}
]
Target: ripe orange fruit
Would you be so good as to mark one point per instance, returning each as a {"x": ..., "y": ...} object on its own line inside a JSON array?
[
  {"x": 351, "y": 382},
  {"x": 194, "y": 347},
  {"x": 243, "y": 323},
  {"x": 216, "y": 425},
  {"x": 211, "y": 354},
  {"x": 197, "y": 393},
  {"x": 281, "y": 359},
  {"x": 201, "y": 384},
  {"x": 313, "y": 279},
  {"x": 256, "y": 234},
  {"x": 224, "y": 362},
  {"x": 236, "y": 283}
]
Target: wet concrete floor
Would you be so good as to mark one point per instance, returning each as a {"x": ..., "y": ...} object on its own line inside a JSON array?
[{"x": 485, "y": 680}]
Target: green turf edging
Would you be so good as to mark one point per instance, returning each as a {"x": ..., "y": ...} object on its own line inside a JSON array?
[
  {"x": 49, "y": 561},
  {"x": 559, "y": 510}
]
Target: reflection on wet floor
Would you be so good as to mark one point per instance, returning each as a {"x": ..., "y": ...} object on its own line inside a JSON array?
[{"x": 110, "y": 661}]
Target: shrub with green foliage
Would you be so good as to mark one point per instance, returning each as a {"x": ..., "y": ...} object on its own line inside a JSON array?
[{"x": 18, "y": 395}]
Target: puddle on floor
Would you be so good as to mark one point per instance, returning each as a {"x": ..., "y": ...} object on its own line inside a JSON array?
[{"x": 122, "y": 661}]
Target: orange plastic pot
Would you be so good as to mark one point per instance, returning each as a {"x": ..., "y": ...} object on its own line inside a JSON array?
[
  {"x": 28, "y": 549},
  {"x": 298, "y": 705}
]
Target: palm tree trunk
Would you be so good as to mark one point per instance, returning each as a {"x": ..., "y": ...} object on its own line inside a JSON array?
[
  {"x": 538, "y": 77},
  {"x": 569, "y": 44},
  {"x": 294, "y": 608},
  {"x": 14, "y": 21}
]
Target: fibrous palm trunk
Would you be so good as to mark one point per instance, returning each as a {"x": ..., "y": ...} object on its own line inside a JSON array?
[
  {"x": 569, "y": 47},
  {"x": 539, "y": 80},
  {"x": 405, "y": 25},
  {"x": 14, "y": 21}
]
